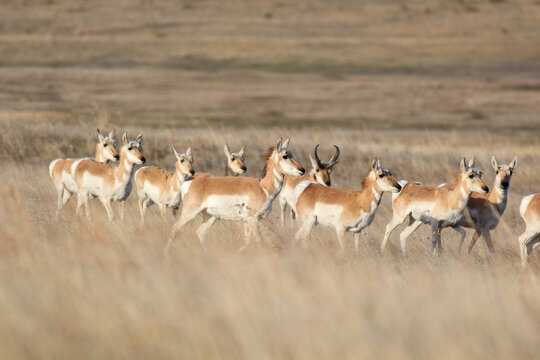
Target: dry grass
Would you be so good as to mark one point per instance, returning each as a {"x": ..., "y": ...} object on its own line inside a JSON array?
[{"x": 417, "y": 83}]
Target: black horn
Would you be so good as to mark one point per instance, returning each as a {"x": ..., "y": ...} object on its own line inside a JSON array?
[
  {"x": 334, "y": 158},
  {"x": 317, "y": 160}
]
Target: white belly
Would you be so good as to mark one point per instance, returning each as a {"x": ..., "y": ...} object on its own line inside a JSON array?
[
  {"x": 328, "y": 214},
  {"x": 229, "y": 207},
  {"x": 93, "y": 184}
]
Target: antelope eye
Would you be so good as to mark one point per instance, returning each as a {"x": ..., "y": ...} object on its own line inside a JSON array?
[
  {"x": 285, "y": 157},
  {"x": 130, "y": 148},
  {"x": 317, "y": 170},
  {"x": 471, "y": 176},
  {"x": 182, "y": 160},
  {"x": 381, "y": 175},
  {"x": 497, "y": 172},
  {"x": 105, "y": 145},
  {"x": 232, "y": 158}
]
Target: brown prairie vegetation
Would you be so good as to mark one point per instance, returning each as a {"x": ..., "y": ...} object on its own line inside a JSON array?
[{"x": 417, "y": 83}]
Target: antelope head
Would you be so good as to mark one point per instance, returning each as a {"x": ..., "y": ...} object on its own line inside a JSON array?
[{"x": 321, "y": 170}]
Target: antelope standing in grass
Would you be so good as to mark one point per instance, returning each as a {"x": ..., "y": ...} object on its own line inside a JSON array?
[
  {"x": 530, "y": 239},
  {"x": 108, "y": 182},
  {"x": 320, "y": 174},
  {"x": 344, "y": 210},
  {"x": 237, "y": 198},
  {"x": 484, "y": 211},
  {"x": 60, "y": 169},
  {"x": 157, "y": 185},
  {"x": 439, "y": 207},
  {"x": 236, "y": 164}
]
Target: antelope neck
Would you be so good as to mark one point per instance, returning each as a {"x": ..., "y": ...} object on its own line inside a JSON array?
[{"x": 272, "y": 181}]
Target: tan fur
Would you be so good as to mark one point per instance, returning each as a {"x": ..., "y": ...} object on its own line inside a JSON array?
[
  {"x": 60, "y": 169},
  {"x": 320, "y": 173},
  {"x": 530, "y": 239},
  {"x": 236, "y": 198},
  {"x": 108, "y": 182},
  {"x": 345, "y": 210},
  {"x": 438, "y": 206},
  {"x": 157, "y": 185}
]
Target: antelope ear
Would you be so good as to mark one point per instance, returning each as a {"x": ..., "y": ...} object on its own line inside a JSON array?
[
  {"x": 472, "y": 161},
  {"x": 139, "y": 138},
  {"x": 494, "y": 164},
  {"x": 226, "y": 151},
  {"x": 242, "y": 150},
  {"x": 286, "y": 143},
  {"x": 189, "y": 154},
  {"x": 374, "y": 166},
  {"x": 111, "y": 134},
  {"x": 313, "y": 162},
  {"x": 462, "y": 165},
  {"x": 176, "y": 153},
  {"x": 100, "y": 137},
  {"x": 513, "y": 163},
  {"x": 378, "y": 163},
  {"x": 124, "y": 139},
  {"x": 279, "y": 144}
]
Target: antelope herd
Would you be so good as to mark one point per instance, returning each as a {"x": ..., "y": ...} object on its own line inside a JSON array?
[{"x": 468, "y": 203}]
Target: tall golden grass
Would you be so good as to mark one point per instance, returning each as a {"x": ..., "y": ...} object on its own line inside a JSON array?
[{"x": 74, "y": 289}]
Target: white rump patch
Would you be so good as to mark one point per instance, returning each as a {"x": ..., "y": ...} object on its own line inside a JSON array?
[
  {"x": 51, "y": 166},
  {"x": 525, "y": 203},
  {"x": 441, "y": 185}
]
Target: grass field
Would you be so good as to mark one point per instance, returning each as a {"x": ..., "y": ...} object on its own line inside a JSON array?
[{"x": 418, "y": 84}]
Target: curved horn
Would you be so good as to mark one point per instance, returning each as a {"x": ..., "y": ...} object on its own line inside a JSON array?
[
  {"x": 333, "y": 160},
  {"x": 319, "y": 165}
]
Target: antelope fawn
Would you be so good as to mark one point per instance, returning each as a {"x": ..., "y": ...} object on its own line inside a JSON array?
[
  {"x": 157, "y": 185},
  {"x": 320, "y": 174},
  {"x": 345, "y": 210},
  {"x": 237, "y": 198},
  {"x": 236, "y": 163},
  {"x": 439, "y": 207},
  {"x": 60, "y": 169},
  {"x": 108, "y": 182},
  {"x": 530, "y": 239},
  {"x": 484, "y": 211}
]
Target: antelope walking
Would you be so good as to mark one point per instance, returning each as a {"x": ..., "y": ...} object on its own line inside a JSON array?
[
  {"x": 157, "y": 185},
  {"x": 60, "y": 169},
  {"x": 236, "y": 164},
  {"x": 237, "y": 198},
  {"x": 439, "y": 207},
  {"x": 108, "y": 182},
  {"x": 320, "y": 174},
  {"x": 530, "y": 239},
  {"x": 345, "y": 210},
  {"x": 484, "y": 211}
]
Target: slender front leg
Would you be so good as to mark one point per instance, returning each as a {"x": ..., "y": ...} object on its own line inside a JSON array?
[
  {"x": 489, "y": 242},
  {"x": 435, "y": 236},
  {"x": 185, "y": 217},
  {"x": 203, "y": 229},
  {"x": 282, "y": 206},
  {"x": 107, "y": 204},
  {"x": 474, "y": 238},
  {"x": 122, "y": 208},
  {"x": 357, "y": 241},
  {"x": 394, "y": 223},
  {"x": 462, "y": 233},
  {"x": 305, "y": 230},
  {"x": 406, "y": 233},
  {"x": 163, "y": 211},
  {"x": 84, "y": 196},
  {"x": 340, "y": 232}
]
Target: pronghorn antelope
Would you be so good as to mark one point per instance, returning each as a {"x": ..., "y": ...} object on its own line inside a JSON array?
[
  {"x": 439, "y": 207},
  {"x": 483, "y": 211},
  {"x": 320, "y": 174},
  {"x": 237, "y": 198},
  {"x": 236, "y": 164},
  {"x": 530, "y": 239},
  {"x": 60, "y": 169},
  {"x": 345, "y": 210},
  {"x": 108, "y": 182},
  {"x": 157, "y": 185}
]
